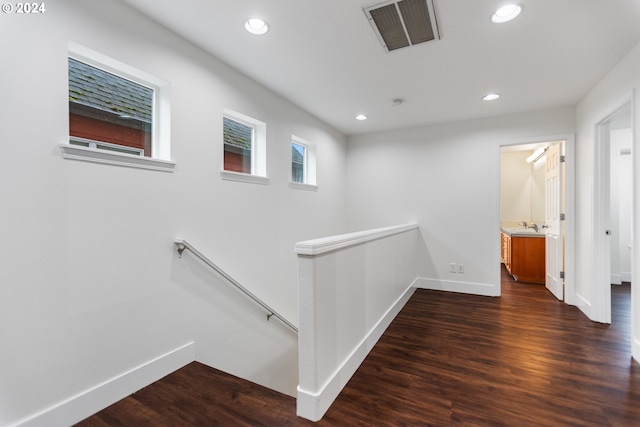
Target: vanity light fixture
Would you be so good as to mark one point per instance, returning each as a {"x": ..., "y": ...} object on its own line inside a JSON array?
[
  {"x": 506, "y": 13},
  {"x": 361, "y": 117},
  {"x": 256, "y": 26},
  {"x": 491, "y": 97},
  {"x": 537, "y": 154}
]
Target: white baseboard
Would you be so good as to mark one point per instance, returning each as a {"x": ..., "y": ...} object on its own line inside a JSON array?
[
  {"x": 95, "y": 399},
  {"x": 635, "y": 349},
  {"x": 618, "y": 278},
  {"x": 456, "y": 286},
  {"x": 313, "y": 406}
]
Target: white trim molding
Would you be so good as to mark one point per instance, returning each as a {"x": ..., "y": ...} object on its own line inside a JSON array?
[
  {"x": 334, "y": 243},
  {"x": 302, "y": 186},
  {"x": 484, "y": 289},
  {"x": 244, "y": 177},
  {"x": 95, "y": 155},
  {"x": 88, "y": 402},
  {"x": 635, "y": 225}
]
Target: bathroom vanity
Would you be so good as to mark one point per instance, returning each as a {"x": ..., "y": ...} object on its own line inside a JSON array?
[{"x": 523, "y": 253}]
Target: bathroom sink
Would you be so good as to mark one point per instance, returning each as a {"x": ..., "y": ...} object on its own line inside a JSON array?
[{"x": 522, "y": 230}]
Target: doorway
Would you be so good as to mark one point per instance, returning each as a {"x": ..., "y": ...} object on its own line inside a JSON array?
[
  {"x": 523, "y": 189},
  {"x": 613, "y": 200}
]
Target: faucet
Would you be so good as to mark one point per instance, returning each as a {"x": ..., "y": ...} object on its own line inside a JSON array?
[{"x": 535, "y": 226}]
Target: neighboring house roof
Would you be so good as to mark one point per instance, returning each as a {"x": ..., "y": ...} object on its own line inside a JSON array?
[
  {"x": 237, "y": 134},
  {"x": 105, "y": 91}
]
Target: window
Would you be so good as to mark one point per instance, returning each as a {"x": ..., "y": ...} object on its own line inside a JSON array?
[
  {"x": 238, "y": 146},
  {"x": 244, "y": 148},
  {"x": 303, "y": 164},
  {"x": 298, "y": 162},
  {"x": 117, "y": 114},
  {"x": 108, "y": 108}
]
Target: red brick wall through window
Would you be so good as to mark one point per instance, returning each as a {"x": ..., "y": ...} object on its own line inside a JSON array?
[
  {"x": 98, "y": 130},
  {"x": 237, "y": 159}
]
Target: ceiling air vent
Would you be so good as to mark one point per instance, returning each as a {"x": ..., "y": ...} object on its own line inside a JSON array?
[{"x": 403, "y": 23}]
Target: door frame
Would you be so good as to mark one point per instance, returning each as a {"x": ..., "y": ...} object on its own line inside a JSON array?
[
  {"x": 570, "y": 211},
  {"x": 635, "y": 226},
  {"x": 601, "y": 302}
]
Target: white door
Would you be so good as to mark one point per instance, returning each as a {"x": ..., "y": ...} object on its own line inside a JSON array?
[{"x": 554, "y": 236}]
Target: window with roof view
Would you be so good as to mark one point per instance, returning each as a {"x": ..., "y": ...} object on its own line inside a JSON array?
[
  {"x": 298, "y": 169},
  {"x": 303, "y": 164},
  {"x": 118, "y": 114},
  {"x": 244, "y": 140},
  {"x": 238, "y": 145},
  {"x": 109, "y": 112}
]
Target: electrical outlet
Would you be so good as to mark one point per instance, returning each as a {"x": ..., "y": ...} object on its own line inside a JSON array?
[
  {"x": 452, "y": 267},
  {"x": 461, "y": 268}
]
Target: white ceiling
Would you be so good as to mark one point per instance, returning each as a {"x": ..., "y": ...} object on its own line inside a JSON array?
[{"x": 323, "y": 55}]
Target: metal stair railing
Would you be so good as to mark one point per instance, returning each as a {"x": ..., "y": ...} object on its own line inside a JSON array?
[{"x": 183, "y": 245}]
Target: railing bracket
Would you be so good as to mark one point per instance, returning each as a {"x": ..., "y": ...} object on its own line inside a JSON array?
[
  {"x": 181, "y": 249},
  {"x": 269, "y": 316}
]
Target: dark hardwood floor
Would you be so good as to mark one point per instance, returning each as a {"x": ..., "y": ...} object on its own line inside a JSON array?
[{"x": 524, "y": 359}]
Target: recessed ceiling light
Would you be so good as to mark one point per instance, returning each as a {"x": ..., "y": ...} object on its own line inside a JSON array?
[
  {"x": 506, "y": 13},
  {"x": 256, "y": 26},
  {"x": 491, "y": 97},
  {"x": 361, "y": 117}
]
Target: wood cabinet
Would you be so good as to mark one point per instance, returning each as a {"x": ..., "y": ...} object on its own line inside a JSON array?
[
  {"x": 506, "y": 250},
  {"x": 524, "y": 257}
]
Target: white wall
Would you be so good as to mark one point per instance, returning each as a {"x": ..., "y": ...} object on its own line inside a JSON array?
[
  {"x": 90, "y": 283},
  {"x": 538, "y": 199},
  {"x": 521, "y": 189},
  {"x": 515, "y": 187},
  {"x": 445, "y": 178}
]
